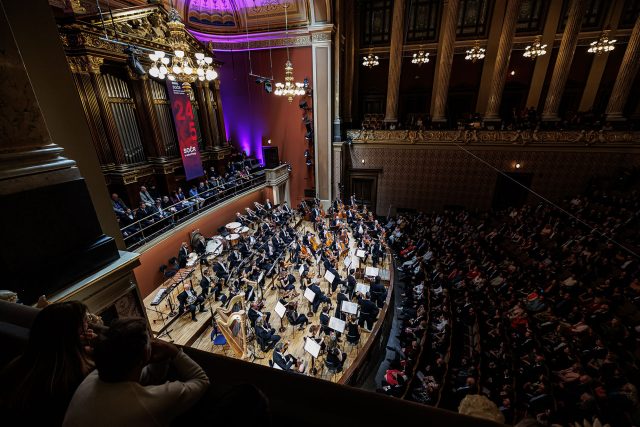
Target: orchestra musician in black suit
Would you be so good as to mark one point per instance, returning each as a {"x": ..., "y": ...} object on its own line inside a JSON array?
[
  {"x": 254, "y": 314},
  {"x": 294, "y": 317},
  {"x": 368, "y": 312},
  {"x": 351, "y": 282},
  {"x": 324, "y": 320},
  {"x": 284, "y": 361},
  {"x": 190, "y": 300},
  {"x": 234, "y": 258},
  {"x": 266, "y": 334},
  {"x": 205, "y": 282},
  {"x": 376, "y": 253},
  {"x": 183, "y": 255},
  {"x": 378, "y": 292},
  {"x": 319, "y": 298},
  {"x": 342, "y": 296},
  {"x": 221, "y": 269}
]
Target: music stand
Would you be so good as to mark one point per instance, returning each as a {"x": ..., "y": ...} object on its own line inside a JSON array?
[
  {"x": 280, "y": 311},
  {"x": 313, "y": 348}
]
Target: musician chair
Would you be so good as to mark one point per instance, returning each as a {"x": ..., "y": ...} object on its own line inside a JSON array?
[
  {"x": 332, "y": 370},
  {"x": 353, "y": 342}
]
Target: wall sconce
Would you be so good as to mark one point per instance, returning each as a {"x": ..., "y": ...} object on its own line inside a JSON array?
[
  {"x": 518, "y": 165},
  {"x": 362, "y": 161}
]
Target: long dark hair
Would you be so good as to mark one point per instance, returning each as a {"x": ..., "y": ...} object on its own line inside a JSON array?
[{"x": 54, "y": 362}]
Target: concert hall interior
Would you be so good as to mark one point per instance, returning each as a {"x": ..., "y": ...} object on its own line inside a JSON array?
[{"x": 229, "y": 212}]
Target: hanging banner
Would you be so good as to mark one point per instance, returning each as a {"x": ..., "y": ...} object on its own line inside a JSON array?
[{"x": 185, "y": 129}]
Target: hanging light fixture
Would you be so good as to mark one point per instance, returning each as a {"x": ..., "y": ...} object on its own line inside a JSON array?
[
  {"x": 181, "y": 67},
  {"x": 370, "y": 60},
  {"x": 535, "y": 50},
  {"x": 420, "y": 58},
  {"x": 602, "y": 45},
  {"x": 290, "y": 87},
  {"x": 475, "y": 53}
]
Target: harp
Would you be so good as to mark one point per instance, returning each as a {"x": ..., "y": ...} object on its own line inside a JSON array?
[{"x": 232, "y": 324}]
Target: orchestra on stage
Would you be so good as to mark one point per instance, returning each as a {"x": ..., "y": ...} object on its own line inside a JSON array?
[{"x": 276, "y": 276}]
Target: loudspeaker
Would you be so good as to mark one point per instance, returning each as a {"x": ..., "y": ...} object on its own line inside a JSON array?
[{"x": 270, "y": 156}]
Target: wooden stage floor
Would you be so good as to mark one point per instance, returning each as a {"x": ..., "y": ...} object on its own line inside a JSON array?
[{"x": 183, "y": 331}]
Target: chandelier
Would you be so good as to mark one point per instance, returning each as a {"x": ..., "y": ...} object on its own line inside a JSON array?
[
  {"x": 370, "y": 60},
  {"x": 181, "y": 67},
  {"x": 535, "y": 50},
  {"x": 420, "y": 58},
  {"x": 602, "y": 45},
  {"x": 475, "y": 53},
  {"x": 290, "y": 87}
]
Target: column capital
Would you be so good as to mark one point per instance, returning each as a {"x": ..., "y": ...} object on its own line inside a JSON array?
[{"x": 85, "y": 64}]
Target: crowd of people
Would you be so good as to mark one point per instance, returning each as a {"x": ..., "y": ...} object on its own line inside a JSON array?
[
  {"x": 532, "y": 307},
  {"x": 75, "y": 371},
  {"x": 518, "y": 119},
  {"x": 155, "y": 212}
]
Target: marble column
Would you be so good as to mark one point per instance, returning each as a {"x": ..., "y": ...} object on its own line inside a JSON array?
[
  {"x": 501, "y": 65},
  {"x": 217, "y": 117},
  {"x": 201, "y": 94},
  {"x": 395, "y": 62},
  {"x": 350, "y": 60},
  {"x": 577, "y": 8},
  {"x": 542, "y": 62},
  {"x": 46, "y": 201},
  {"x": 444, "y": 60},
  {"x": 337, "y": 54},
  {"x": 322, "y": 102},
  {"x": 626, "y": 76},
  {"x": 600, "y": 61}
]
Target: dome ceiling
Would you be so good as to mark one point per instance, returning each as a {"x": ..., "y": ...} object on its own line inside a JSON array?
[{"x": 239, "y": 16}]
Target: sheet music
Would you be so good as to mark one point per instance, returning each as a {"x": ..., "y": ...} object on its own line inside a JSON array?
[
  {"x": 371, "y": 271},
  {"x": 329, "y": 276},
  {"x": 260, "y": 277},
  {"x": 362, "y": 288},
  {"x": 355, "y": 262},
  {"x": 337, "y": 325},
  {"x": 312, "y": 347},
  {"x": 301, "y": 270},
  {"x": 349, "y": 307},
  {"x": 360, "y": 253},
  {"x": 280, "y": 309},
  {"x": 192, "y": 259},
  {"x": 347, "y": 262},
  {"x": 309, "y": 294}
]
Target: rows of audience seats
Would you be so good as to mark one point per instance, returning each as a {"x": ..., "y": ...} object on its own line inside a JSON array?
[{"x": 536, "y": 308}]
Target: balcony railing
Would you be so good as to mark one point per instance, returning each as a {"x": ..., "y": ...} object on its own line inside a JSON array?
[
  {"x": 491, "y": 137},
  {"x": 150, "y": 227}
]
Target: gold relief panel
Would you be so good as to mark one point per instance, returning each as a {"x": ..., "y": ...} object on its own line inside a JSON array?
[
  {"x": 491, "y": 137},
  {"x": 85, "y": 64}
]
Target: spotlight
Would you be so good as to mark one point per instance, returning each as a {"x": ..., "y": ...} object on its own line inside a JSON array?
[
  {"x": 305, "y": 82},
  {"x": 259, "y": 80},
  {"x": 303, "y": 104},
  {"x": 306, "y": 154},
  {"x": 308, "y": 162},
  {"x": 267, "y": 86},
  {"x": 133, "y": 61},
  {"x": 309, "y": 135}
]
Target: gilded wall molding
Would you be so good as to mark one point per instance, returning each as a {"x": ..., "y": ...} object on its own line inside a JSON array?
[
  {"x": 85, "y": 64},
  {"x": 403, "y": 137},
  {"x": 298, "y": 41}
]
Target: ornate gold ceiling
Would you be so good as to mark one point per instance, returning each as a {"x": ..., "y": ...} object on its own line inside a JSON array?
[{"x": 239, "y": 16}]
